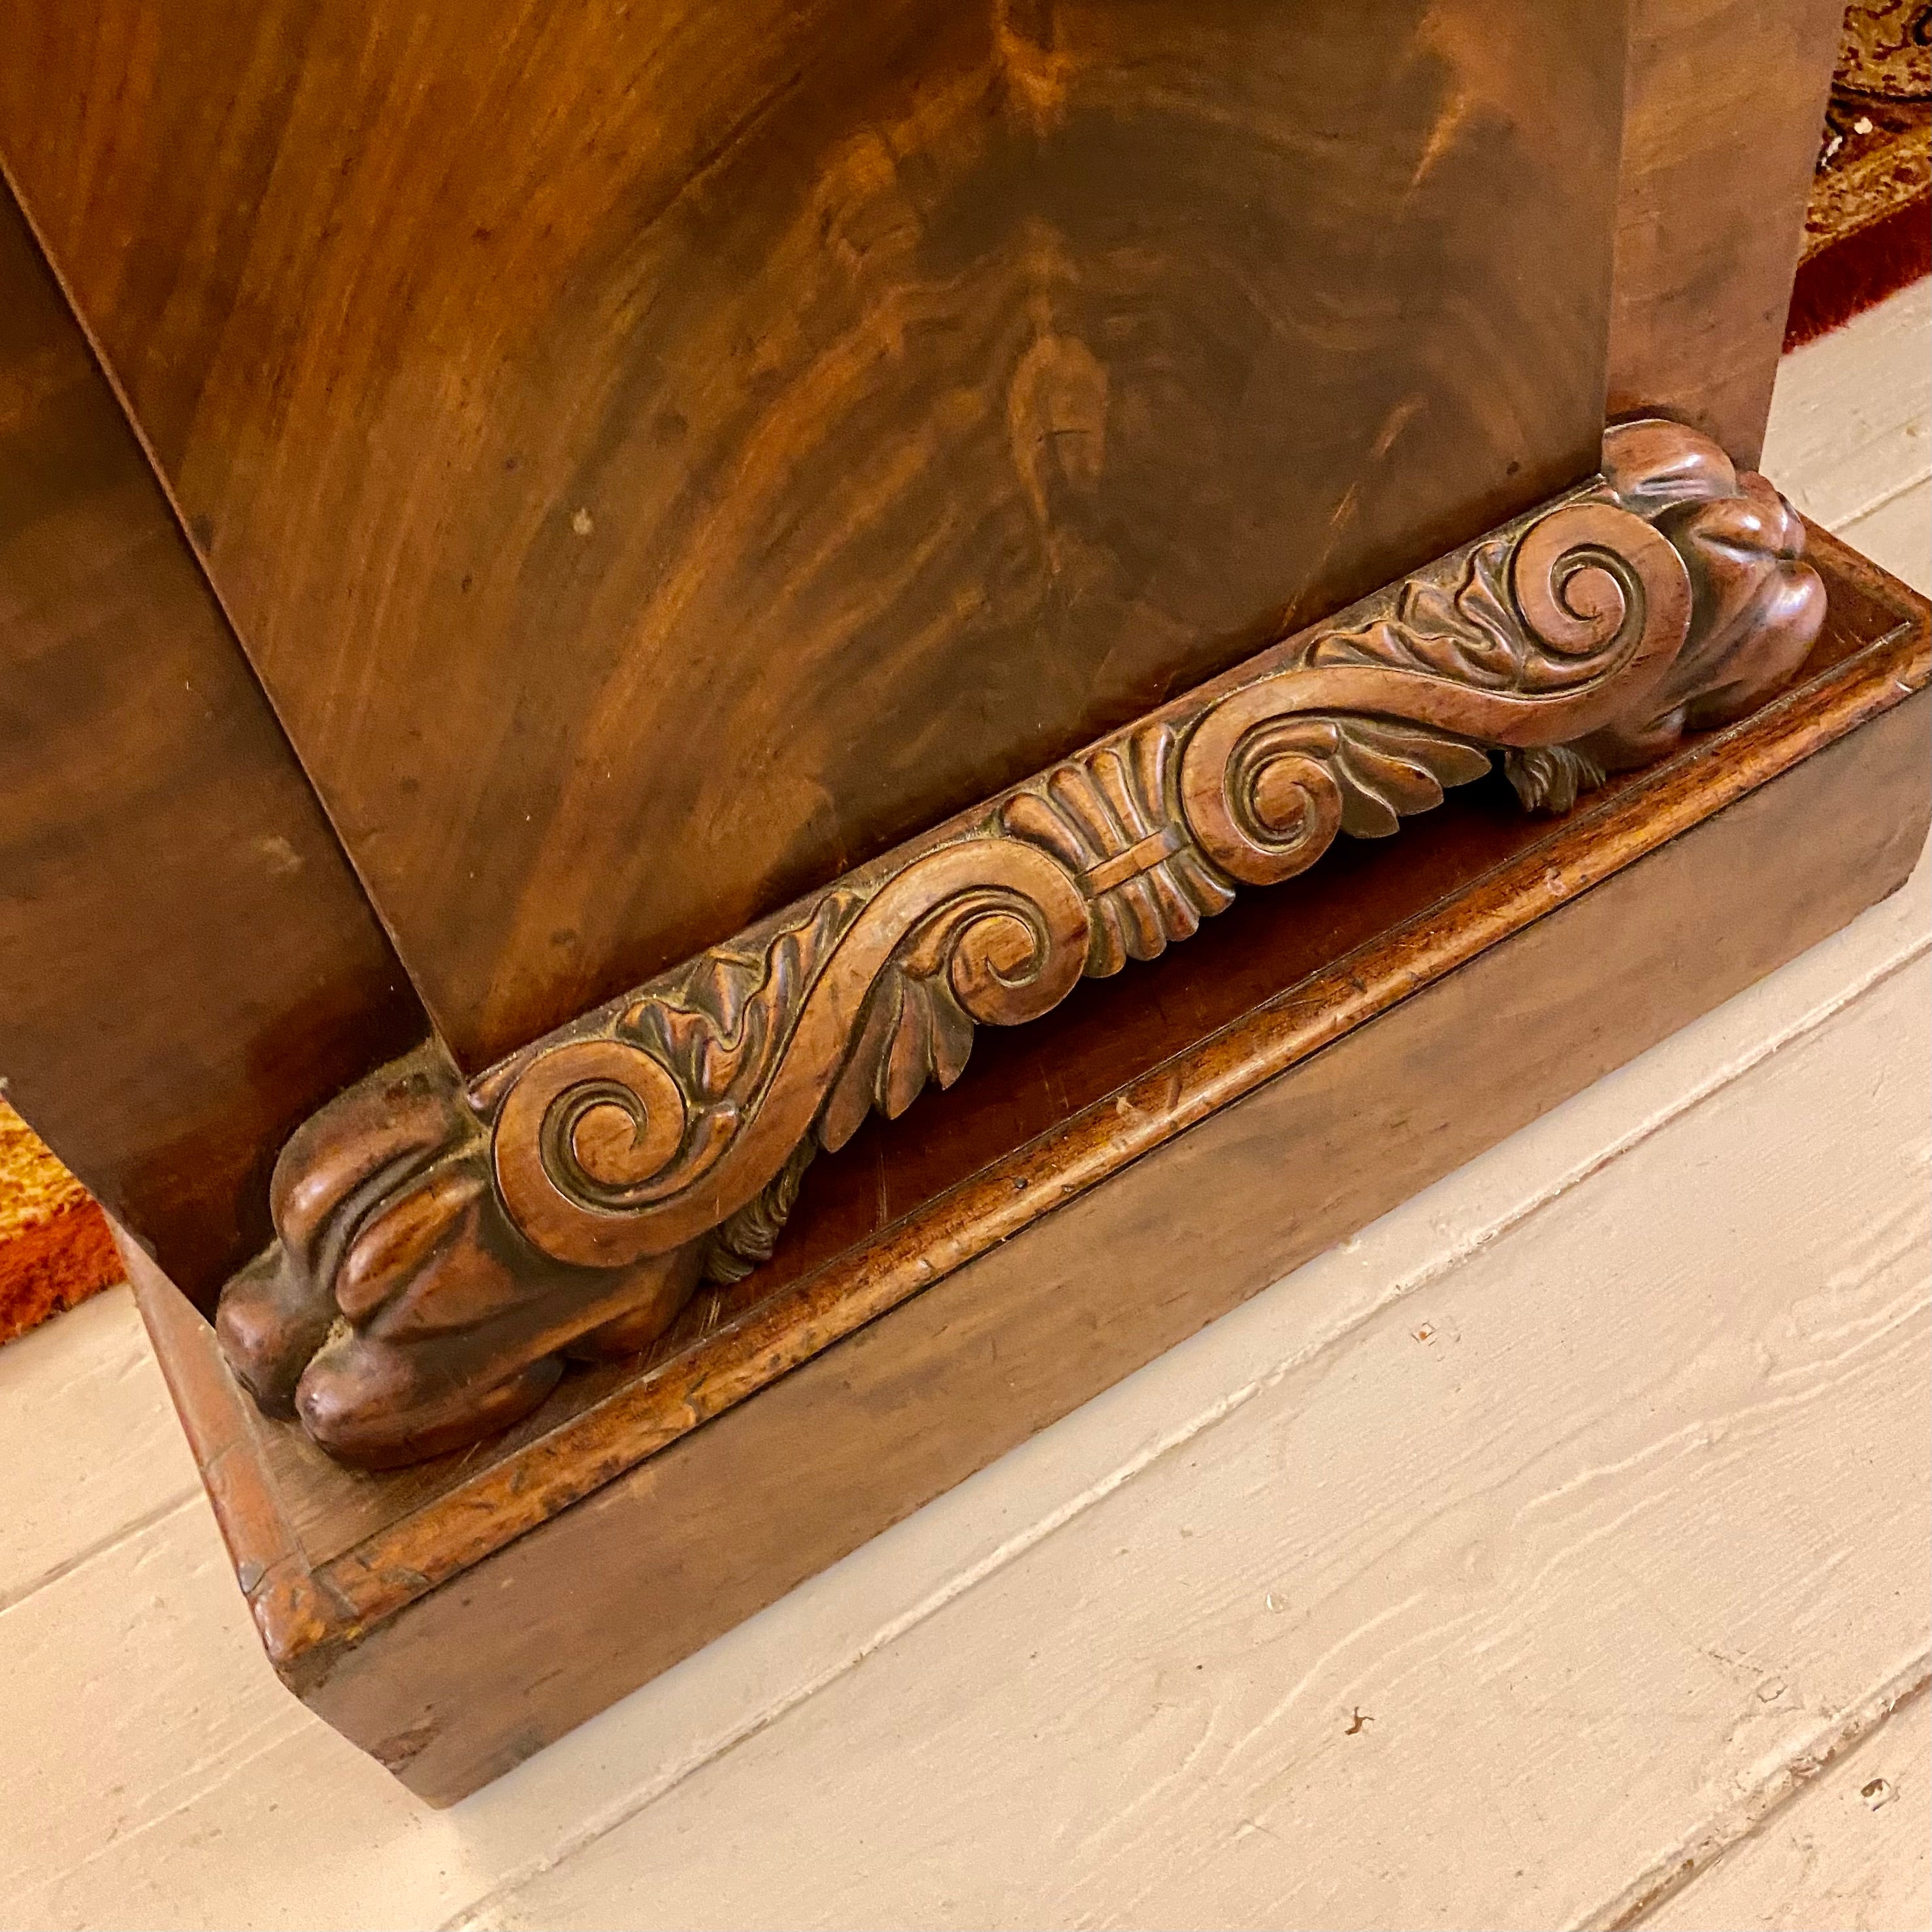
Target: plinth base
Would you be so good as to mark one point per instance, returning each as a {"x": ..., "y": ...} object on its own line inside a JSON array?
[{"x": 1097, "y": 1187}]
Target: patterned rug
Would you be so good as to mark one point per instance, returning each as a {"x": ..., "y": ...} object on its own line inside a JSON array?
[
  {"x": 55, "y": 1249},
  {"x": 1868, "y": 233}
]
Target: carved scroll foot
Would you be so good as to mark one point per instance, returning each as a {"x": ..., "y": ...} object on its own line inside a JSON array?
[
  {"x": 400, "y": 1313},
  {"x": 1758, "y": 607},
  {"x": 378, "y": 1399},
  {"x": 442, "y": 1248}
]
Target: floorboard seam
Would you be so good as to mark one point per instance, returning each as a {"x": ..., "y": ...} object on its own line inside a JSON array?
[
  {"x": 1884, "y": 502},
  {"x": 68, "y": 1565},
  {"x": 474, "y": 1918},
  {"x": 1761, "y": 1807}
]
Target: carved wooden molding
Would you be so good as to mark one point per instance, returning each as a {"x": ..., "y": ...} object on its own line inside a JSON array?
[{"x": 442, "y": 1248}]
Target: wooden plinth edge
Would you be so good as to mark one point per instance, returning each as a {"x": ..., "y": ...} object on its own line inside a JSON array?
[
  {"x": 868, "y": 1370},
  {"x": 446, "y": 1247}
]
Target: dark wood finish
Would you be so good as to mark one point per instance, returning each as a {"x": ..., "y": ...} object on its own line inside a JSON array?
[
  {"x": 420, "y": 1613},
  {"x": 1724, "y": 108},
  {"x": 187, "y": 967},
  {"x": 906, "y": 1178},
  {"x": 576, "y": 1196},
  {"x": 659, "y": 456}
]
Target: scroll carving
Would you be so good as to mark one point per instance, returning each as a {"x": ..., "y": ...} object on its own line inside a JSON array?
[{"x": 441, "y": 1248}]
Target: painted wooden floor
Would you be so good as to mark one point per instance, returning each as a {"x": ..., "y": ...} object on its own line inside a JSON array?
[{"x": 1557, "y": 1553}]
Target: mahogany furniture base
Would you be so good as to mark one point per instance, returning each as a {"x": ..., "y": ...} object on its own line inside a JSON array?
[
  {"x": 946, "y": 1293},
  {"x": 447, "y": 1246}
]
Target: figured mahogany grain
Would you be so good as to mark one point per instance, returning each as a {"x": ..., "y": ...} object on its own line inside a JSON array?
[
  {"x": 659, "y": 456},
  {"x": 1725, "y": 107},
  {"x": 444, "y": 1640},
  {"x": 187, "y": 967},
  {"x": 1038, "y": 1110}
]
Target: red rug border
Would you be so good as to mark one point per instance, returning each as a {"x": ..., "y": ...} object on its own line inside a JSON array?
[{"x": 1858, "y": 271}]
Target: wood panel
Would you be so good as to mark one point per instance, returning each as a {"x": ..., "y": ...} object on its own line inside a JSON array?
[
  {"x": 1725, "y": 109},
  {"x": 718, "y": 1519},
  {"x": 1038, "y": 1113},
  {"x": 659, "y": 456},
  {"x": 187, "y": 967},
  {"x": 1756, "y": 1152}
]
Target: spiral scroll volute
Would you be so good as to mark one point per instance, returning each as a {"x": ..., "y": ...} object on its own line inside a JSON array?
[
  {"x": 1600, "y": 602},
  {"x": 581, "y": 1136},
  {"x": 1605, "y": 600},
  {"x": 1283, "y": 794},
  {"x": 1008, "y": 956},
  {"x": 601, "y": 1157}
]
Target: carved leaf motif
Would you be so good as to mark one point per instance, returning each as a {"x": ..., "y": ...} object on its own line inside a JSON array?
[
  {"x": 1110, "y": 817},
  {"x": 745, "y": 1240},
  {"x": 1387, "y": 772},
  {"x": 1471, "y": 635},
  {"x": 722, "y": 1027},
  {"x": 1552, "y": 777},
  {"x": 914, "y": 1032}
]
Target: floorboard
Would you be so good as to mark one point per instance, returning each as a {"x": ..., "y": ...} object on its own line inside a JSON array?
[{"x": 1852, "y": 1851}]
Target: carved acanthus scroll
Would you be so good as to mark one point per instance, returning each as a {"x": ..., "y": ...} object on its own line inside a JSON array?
[{"x": 441, "y": 1248}]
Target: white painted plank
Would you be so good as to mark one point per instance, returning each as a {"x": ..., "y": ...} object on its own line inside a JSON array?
[
  {"x": 258, "y": 1815},
  {"x": 1851, "y": 419},
  {"x": 1852, "y": 1853},
  {"x": 1598, "y": 1530},
  {"x": 105, "y": 1731},
  {"x": 1897, "y": 535},
  {"x": 89, "y": 1445},
  {"x": 221, "y": 1803}
]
